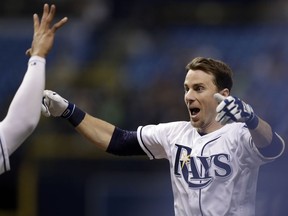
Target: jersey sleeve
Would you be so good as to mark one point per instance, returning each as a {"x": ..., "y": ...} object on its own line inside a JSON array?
[
  {"x": 249, "y": 153},
  {"x": 272, "y": 153},
  {"x": 149, "y": 141},
  {"x": 25, "y": 109},
  {"x": 155, "y": 140},
  {"x": 4, "y": 157}
]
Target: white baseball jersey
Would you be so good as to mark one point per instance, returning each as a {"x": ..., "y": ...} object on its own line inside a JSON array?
[{"x": 214, "y": 174}]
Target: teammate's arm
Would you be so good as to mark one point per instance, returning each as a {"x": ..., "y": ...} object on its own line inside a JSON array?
[{"x": 24, "y": 111}]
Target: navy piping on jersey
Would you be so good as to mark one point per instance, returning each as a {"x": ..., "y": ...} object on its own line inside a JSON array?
[
  {"x": 144, "y": 144},
  {"x": 201, "y": 171},
  {"x": 3, "y": 156}
]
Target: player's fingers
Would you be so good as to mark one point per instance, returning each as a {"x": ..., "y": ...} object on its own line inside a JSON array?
[
  {"x": 53, "y": 97},
  {"x": 221, "y": 118},
  {"x": 45, "y": 92},
  {"x": 46, "y": 101},
  {"x": 44, "y": 109},
  {"x": 223, "y": 105},
  {"x": 218, "y": 97},
  {"x": 231, "y": 107},
  {"x": 227, "y": 104},
  {"x": 224, "y": 119},
  {"x": 50, "y": 94}
]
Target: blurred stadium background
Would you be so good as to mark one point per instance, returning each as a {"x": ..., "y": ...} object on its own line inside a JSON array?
[{"x": 124, "y": 61}]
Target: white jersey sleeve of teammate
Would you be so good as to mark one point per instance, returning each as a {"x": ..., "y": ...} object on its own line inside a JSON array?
[
  {"x": 24, "y": 111},
  {"x": 4, "y": 157},
  {"x": 214, "y": 174}
]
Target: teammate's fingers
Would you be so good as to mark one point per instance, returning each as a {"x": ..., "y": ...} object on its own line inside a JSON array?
[
  {"x": 45, "y": 11},
  {"x": 51, "y": 13},
  {"x": 218, "y": 97},
  {"x": 59, "y": 24},
  {"x": 36, "y": 22}
]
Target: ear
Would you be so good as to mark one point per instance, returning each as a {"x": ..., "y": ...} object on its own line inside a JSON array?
[{"x": 225, "y": 92}]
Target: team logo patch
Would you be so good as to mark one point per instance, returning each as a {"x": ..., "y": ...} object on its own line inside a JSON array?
[{"x": 200, "y": 171}]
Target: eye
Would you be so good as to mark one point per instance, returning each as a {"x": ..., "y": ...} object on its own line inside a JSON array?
[
  {"x": 186, "y": 89},
  {"x": 199, "y": 88}
]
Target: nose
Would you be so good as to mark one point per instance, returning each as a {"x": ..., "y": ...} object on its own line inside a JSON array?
[{"x": 189, "y": 95}]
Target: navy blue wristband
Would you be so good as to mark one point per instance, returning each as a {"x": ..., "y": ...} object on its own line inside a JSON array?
[
  {"x": 253, "y": 122},
  {"x": 74, "y": 115},
  {"x": 69, "y": 111}
]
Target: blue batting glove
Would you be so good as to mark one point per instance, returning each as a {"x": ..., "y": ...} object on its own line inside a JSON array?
[{"x": 232, "y": 109}]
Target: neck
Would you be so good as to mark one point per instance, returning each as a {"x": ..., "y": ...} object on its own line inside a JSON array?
[{"x": 213, "y": 126}]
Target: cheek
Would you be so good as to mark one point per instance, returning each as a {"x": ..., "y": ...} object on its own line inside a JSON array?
[{"x": 210, "y": 106}]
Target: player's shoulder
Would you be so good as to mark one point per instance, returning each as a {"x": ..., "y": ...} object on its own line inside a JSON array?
[
  {"x": 177, "y": 124},
  {"x": 169, "y": 127},
  {"x": 176, "y": 127},
  {"x": 234, "y": 128},
  {"x": 235, "y": 125}
]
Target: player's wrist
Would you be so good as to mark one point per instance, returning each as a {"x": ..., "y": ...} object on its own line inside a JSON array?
[
  {"x": 73, "y": 114},
  {"x": 252, "y": 122}
]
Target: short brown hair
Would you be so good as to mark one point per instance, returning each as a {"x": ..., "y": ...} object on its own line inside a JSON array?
[{"x": 221, "y": 71}]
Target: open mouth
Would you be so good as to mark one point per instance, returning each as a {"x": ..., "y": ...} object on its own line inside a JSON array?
[{"x": 194, "y": 111}]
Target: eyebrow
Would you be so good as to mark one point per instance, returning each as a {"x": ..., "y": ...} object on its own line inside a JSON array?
[{"x": 195, "y": 84}]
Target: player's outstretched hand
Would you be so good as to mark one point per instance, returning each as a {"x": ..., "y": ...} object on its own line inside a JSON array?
[
  {"x": 232, "y": 109},
  {"x": 43, "y": 37},
  {"x": 53, "y": 104}
]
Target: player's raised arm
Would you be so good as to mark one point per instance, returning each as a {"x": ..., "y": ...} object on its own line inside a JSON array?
[
  {"x": 24, "y": 111},
  {"x": 232, "y": 109}
]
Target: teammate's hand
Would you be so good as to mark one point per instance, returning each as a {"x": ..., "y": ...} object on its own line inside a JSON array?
[
  {"x": 232, "y": 109},
  {"x": 43, "y": 37},
  {"x": 53, "y": 104}
]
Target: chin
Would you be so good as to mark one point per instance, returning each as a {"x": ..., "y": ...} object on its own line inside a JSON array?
[{"x": 195, "y": 124}]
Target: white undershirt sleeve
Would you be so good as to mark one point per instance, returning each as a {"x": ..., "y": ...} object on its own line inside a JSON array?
[{"x": 25, "y": 109}]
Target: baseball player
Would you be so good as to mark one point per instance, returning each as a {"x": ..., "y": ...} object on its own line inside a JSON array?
[
  {"x": 214, "y": 158},
  {"x": 24, "y": 111}
]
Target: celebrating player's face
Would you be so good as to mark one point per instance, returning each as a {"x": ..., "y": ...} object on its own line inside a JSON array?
[{"x": 199, "y": 90}]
